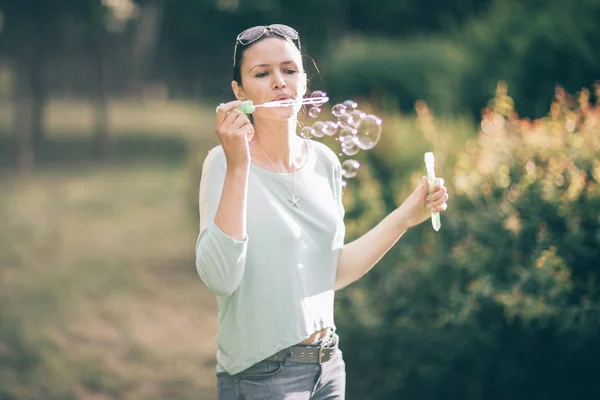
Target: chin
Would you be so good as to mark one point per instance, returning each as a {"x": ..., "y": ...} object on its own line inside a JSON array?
[{"x": 280, "y": 113}]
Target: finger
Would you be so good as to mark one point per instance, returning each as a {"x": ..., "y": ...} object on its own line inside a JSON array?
[
  {"x": 424, "y": 184},
  {"x": 239, "y": 122},
  {"x": 443, "y": 207},
  {"x": 225, "y": 109},
  {"x": 249, "y": 131},
  {"x": 437, "y": 194},
  {"x": 234, "y": 115},
  {"x": 439, "y": 182},
  {"x": 439, "y": 202}
]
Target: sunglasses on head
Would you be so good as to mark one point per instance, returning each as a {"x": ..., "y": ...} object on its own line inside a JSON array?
[{"x": 251, "y": 35}]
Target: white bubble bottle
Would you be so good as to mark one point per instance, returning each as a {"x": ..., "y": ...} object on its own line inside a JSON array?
[{"x": 429, "y": 164}]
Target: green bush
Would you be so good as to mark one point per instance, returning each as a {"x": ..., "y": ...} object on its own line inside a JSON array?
[
  {"x": 502, "y": 302},
  {"x": 530, "y": 45},
  {"x": 533, "y": 46},
  {"x": 397, "y": 74}
]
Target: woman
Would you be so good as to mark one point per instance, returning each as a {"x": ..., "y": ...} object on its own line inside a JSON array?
[{"x": 271, "y": 243}]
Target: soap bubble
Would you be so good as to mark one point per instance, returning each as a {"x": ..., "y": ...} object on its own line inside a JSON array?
[
  {"x": 330, "y": 128},
  {"x": 338, "y": 110},
  {"x": 318, "y": 93},
  {"x": 346, "y": 120},
  {"x": 350, "y": 105},
  {"x": 357, "y": 115},
  {"x": 307, "y": 132},
  {"x": 319, "y": 129},
  {"x": 347, "y": 131},
  {"x": 314, "y": 112},
  {"x": 351, "y": 151},
  {"x": 343, "y": 184},
  {"x": 368, "y": 132},
  {"x": 348, "y": 144},
  {"x": 350, "y": 168}
]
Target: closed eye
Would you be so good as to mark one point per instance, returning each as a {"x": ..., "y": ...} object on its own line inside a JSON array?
[
  {"x": 262, "y": 74},
  {"x": 290, "y": 71}
]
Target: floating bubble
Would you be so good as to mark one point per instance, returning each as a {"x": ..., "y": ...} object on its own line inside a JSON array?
[
  {"x": 344, "y": 183},
  {"x": 348, "y": 144},
  {"x": 357, "y": 116},
  {"x": 330, "y": 128},
  {"x": 307, "y": 132},
  {"x": 350, "y": 168},
  {"x": 368, "y": 132},
  {"x": 319, "y": 129},
  {"x": 314, "y": 112},
  {"x": 338, "y": 110},
  {"x": 346, "y": 120},
  {"x": 318, "y": 93},
  {"x": 350, "y": 105},
  {"x": 347, "y": 131}
]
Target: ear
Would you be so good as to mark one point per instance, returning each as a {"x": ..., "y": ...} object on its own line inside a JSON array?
[{"x": 238, "y": 91}]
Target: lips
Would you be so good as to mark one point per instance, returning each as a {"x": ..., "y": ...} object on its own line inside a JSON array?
[{"x": 283, "y": 97}]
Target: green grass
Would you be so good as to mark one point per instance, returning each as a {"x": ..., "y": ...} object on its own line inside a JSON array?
[
  {"x": 100, "y": 262},
  {"x": 100, "y": 298}
]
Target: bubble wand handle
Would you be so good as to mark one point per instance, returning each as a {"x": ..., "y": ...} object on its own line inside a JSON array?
[
  {"x": 429, "y": 165},
  {"x": 247, "y": 107},
  {"x": 292, "y": 102}
]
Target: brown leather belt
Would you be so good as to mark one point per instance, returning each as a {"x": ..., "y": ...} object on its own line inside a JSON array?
[{"x": 302, "y": 353}]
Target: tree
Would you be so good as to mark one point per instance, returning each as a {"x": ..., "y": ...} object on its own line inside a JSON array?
[{"x": 33, "y": 30}]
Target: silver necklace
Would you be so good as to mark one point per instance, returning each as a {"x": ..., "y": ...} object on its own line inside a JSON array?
[{"x": 294, "y": 199}]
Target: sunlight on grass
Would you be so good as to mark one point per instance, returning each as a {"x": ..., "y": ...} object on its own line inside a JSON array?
[
  {"x": 75, "y": 117},
  {"x": 101, "y": 263}
]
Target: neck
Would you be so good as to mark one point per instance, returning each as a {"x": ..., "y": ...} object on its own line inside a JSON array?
[{"x": 279, "y": 141}]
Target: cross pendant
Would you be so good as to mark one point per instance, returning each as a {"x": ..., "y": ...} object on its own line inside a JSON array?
[{"x": 294, "y": 201}]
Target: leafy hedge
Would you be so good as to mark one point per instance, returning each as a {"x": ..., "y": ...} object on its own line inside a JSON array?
[{"x": 503, "y": 302}]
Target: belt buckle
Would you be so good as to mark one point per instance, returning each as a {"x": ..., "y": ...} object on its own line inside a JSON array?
[{"x": 320, "y": 355}]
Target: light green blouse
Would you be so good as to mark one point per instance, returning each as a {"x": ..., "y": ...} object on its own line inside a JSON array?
[{"x": 276, "y": 287}]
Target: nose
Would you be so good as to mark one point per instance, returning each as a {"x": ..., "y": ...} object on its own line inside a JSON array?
[{"x": 278, "y": 81}]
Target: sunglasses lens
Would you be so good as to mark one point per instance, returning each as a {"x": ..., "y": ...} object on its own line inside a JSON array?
[
  {"x": 250, "y": 35},
  {"x": 284, "y": 30}
]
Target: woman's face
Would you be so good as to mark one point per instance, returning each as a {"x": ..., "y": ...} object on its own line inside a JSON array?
[{"x": 272, "y": 70}]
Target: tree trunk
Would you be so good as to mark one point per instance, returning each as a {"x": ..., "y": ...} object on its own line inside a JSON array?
[
  {"x": 103, "y": 146},
  {"x": 143, "y": 44},
  {"x": 23, "y": 115},
  {"x": 38, "y": 89}
]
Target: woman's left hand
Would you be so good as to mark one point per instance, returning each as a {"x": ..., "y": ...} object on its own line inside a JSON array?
[{"x": 419, "y": 205}]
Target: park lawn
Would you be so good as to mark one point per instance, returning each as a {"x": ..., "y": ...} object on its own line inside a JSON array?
[
  {"x": 97, "y": 274},
  {"x": 99, "y": 261}
]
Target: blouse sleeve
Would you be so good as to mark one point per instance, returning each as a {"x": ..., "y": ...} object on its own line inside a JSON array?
[{"x": 220, "y": 259}]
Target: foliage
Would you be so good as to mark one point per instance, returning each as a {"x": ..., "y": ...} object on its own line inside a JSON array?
[
  {"x": 533, "y": 46},
  {"x": 530, "y": 46},
  {"x": 503, "y": 301},
  {"x": 398, "y": 73}
]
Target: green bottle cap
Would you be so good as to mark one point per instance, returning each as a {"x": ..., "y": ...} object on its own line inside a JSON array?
[{"x": 246, "y": 106}]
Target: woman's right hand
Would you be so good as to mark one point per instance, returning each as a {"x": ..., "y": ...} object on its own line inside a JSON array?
[{"x": 234, "y": 130}]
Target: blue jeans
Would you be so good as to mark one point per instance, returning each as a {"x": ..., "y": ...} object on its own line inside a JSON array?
[{"x": 286, "y": 380}]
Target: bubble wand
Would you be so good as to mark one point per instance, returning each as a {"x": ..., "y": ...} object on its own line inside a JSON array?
[
  {"x": 429, "y": 164},
  {"x": 247, "y": 107}
]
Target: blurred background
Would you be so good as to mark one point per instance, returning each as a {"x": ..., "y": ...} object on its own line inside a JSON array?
[{"x": 107, "y": 112}]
